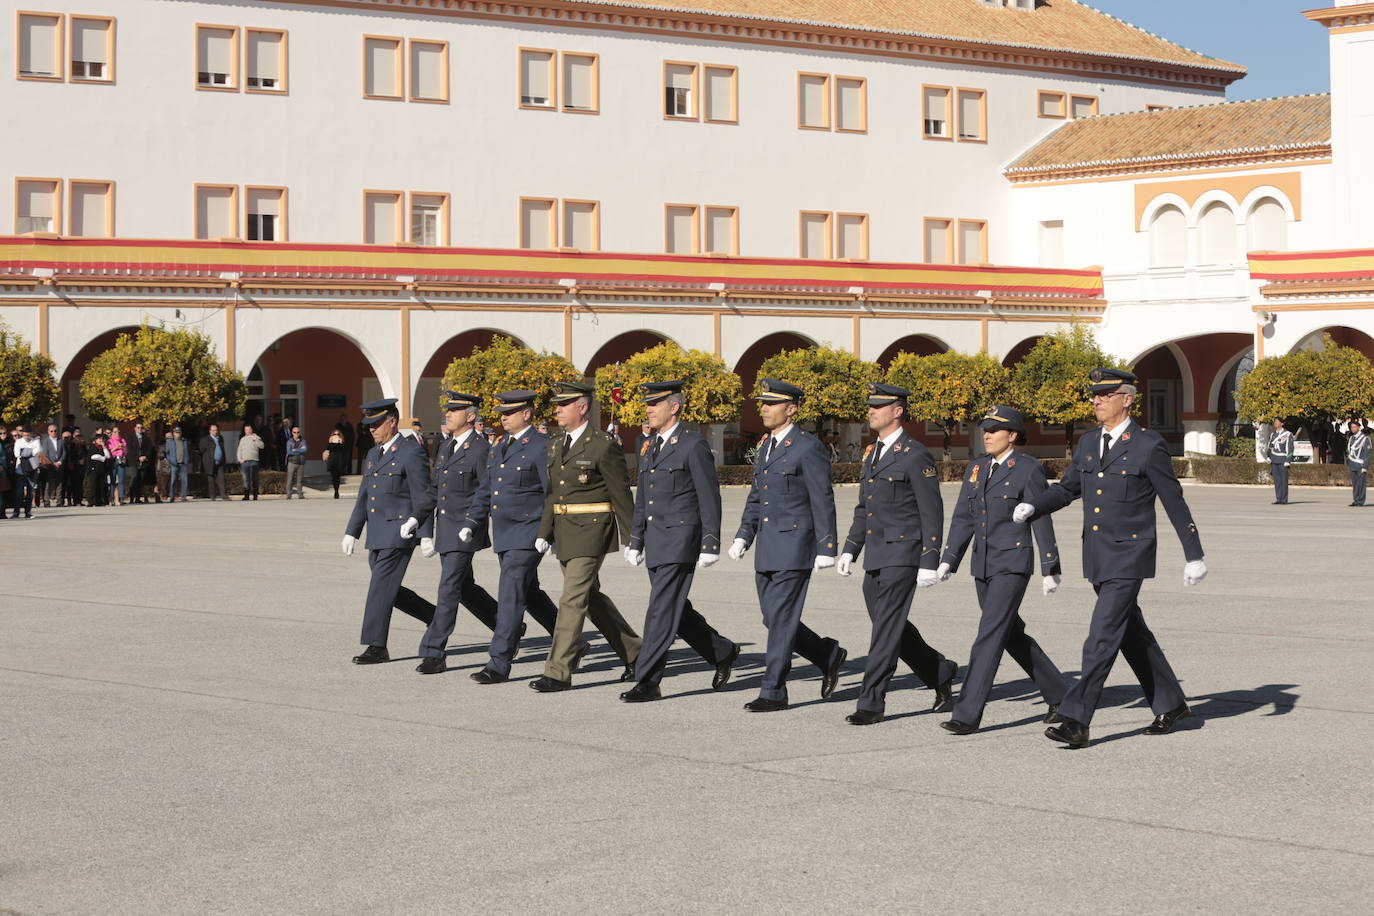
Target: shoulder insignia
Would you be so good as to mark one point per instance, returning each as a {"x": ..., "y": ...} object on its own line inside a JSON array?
[
  {"x": 673, "y": 441},
  {"x": 1011, "y": 462},
  {"x": 525, "y": 440},
  {"x": 786, "y": 442},
  {"x": 930, "y": 472},
  {"x": 1126, "y": 436}
]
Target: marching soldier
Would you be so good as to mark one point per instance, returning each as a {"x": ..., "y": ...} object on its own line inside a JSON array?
[
  {"x": 898, "y": 517},
  {"x": 1357, "y": 461},
  {"x": 393, "y": 497},
  {"x": 587, "y": 513},
  {"x": 1118, "y": 470},
  {"x": 1280, "y": 456},
  {"x": 511, "y": 494},
  {"x": 791, "y": 513},
  {"x": 676, "y": 529},
  {"x": 1003, "y": 560}
]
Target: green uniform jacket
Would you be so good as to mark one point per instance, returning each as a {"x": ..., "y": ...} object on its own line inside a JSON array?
[{"x": 593, "y": 472}]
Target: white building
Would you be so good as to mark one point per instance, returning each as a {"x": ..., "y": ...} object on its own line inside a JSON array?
[{"x": 345, "y": 195}]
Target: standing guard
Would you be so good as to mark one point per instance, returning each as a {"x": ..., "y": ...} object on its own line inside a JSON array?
[
  {"x": 1357, "y": 461},
  {"x": 1281, "y": 448}
]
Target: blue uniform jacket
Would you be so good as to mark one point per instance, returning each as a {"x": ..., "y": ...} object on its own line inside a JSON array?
[
  {"x": 395, "y": 486},
  {"x": 900, "y": 514},
  {"x": 458, "y": 472},
  {"x": 1281, "y": 447},
  {"x": 1119, "y": 503},
  {"x": 982, "y": 517},
  {"x": 512, "y": 495},
  {"x": 791, "y": 506},
  {"x": 677, "y": 501}
]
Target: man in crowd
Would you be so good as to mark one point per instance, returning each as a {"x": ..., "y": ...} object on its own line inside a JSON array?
[
  {"x": 213, "y": 457},
  {"x": 142, "y": 463},
  {"x": 73, "y": 471},
  {"x": 1281, "y": 450},
  {"x": 249, "y": 457},
  {"x": 51, "y": 474},
  {"x": 27, "y": 450},
  {"x": 178, "y": 464},
  {"x": 6, "y": 471},
  {"x": 296, "y": 453},
  {"x": 1357, "y": 460}
]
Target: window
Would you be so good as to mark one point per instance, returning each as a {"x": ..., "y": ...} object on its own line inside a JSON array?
[
  {"x": 1218, "y": 230},
  {"x": 265, "y": 60},
  {"x": 382, "y": 74},
  {"x": 815, "y": 234},
  {"x": 813, "y": 101},
  {"x": 1267, "y": 226},
  {"x": 37, "y": 205},
  {"x": 679, "y": 90},
  {"x": 681, "y": 232},
  {"x": 582, "y": 225},
  {"x": 90, "y": 209},
  {"x": 40, "y": 46},
  {"x": 851, "y": 104},
  {"x": 536, "y": 78},
  {"x": 217, "y": 213},
  {"x": 722, "y": 230},
  {"x": 936, "y": 102},
  {"x": 537, "y": 229},
  {"x": 721, "y": 93},
  {"x": 428, "y": 71},
  {"x": 851, "y": 236},
  {"x": 217, "y": 51},
  {"x": 973, "y": 241},
  {"x": 581, "y": 82},
  {"x": 973, "y": 115},
  {"x": 1168, "y": 238},
  {"x": 92, "y": 49},
  {"x": 1082, "y": 106},
  {"x": 938, "y": 241},
  {"x": 266, "y": 214},
  {"x": 1049, "y": 104},
  {"x": 1052, "y": 243},
  {"x": 429, "y": 219},
  {"x": 382, "y": 217},
  {"x": 1161, "y": 410}
]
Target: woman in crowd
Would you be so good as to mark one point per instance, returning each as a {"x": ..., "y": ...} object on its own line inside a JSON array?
[
  {"x": 97, "y": 462},
  {"x": 119, "y": 451},
  {"x": 337, "y": 459}
]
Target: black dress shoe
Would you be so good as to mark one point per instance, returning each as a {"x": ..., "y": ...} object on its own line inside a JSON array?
[
  {"x": 864, "y": 717},
  {"x": 489, "y": 676},
  {"x": 762, "y": 705},
  {"x": 432, "y": 665},
  {"x": 545, "y": 684},
  {"x": 832, "y": 672},
  {"x": 628, "y": 674},
  {"x": 956, "y": 727},
  {"x": 725, "y": 669},
  {"x": 642, "y": 693},
  {"x": 372, "y": 655},
  {"x": 1070, "y": 732},
  {"x": 1052, "y": 716},
  {"x": 944, "y": 691},
  {"x": 1165, "y": 723}
]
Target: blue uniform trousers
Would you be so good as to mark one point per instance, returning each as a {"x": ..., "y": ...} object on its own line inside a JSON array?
[
  {"x": 1118, "y": 625},
  {"x": 888, "y": 592},
  {"x": 1357, "y": 481},
  {"x": 671, "y": 615},
  {"x": 385, "y": 591},
  {"x": 782, "y": 595},
  {"x": 1002, "y": 629},
  {"x": 455, "y": 584},
  {"x": 519, "y": 590},
  {"x": 1279, "y": 471}
]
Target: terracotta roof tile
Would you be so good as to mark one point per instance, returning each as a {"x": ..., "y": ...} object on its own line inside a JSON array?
[
  {"x": 1064, "y": 25},
  {"x": 1230, "y": 128}
]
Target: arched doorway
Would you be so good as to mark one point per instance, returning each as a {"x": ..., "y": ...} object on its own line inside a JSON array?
[
  {"x": 1161, "y": 390},
  {"x": 622, "y": 347},
  {"x": 917, "y": 344},
  {"x": 1341, "y": 336},
  {"x": 70, "y": 382},
  {"x": 425, "y": 404},
  {"x": 1018, "y": 352}
]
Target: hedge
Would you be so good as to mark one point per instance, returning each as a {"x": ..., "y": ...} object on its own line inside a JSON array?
[{"x": 269, "y": 483}]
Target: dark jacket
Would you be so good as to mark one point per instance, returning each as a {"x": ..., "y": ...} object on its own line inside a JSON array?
[
  {"x": 791, "y": 506},
  {"x": 677, "y": 501},
  {"x": 340, "y": 458},
  {"x": 458, "y": 474},
  {"x": 207, "y": 453},
  {"x": 148, "y": 449},
  {"x": 982, "y": 517},
  {"x": 395, "y": 486},
  {"x": 900, "y": 515},
  {"x": 512, "y": 496}
]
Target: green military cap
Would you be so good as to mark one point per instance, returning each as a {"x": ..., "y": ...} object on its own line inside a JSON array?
[{"x": 567, "y": 392}]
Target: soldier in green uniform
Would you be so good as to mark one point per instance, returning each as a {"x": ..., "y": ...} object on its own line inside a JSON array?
[{"x": 587, "y": 514}]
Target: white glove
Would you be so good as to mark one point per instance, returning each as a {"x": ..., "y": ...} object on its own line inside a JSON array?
[
  {"x": 1022, "y": 512},
  {"x": 408, "y": 529},
  {"x": 943, "y": 571},
  {"x": 634, "y": 557},
  {"x": 846, "y": 565},
  {"x": 348, "y": 542},
  {"x": 427, "y": 547},
  {"x": 925, "y": 578},
  {"x": 465, "y": 535},
  {"x": 737, "y": 549},
  {"x": 823, "y": 562},
  {"x": 707, "y": 559},
  {"x": 542, "y": 545},
  {"x": 1194, "y": 572},
  {"x": 1049, "y": 585}
]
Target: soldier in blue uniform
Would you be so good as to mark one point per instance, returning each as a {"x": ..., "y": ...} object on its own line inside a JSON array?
[
  {"x": 1281, "y": 447},
  {"x": 676, "y": 529},
  {"x": 511, "y": 494},
  {"x": 460, "y": 466},
  {"x": 897, "y": 525},
  {"x": 1118, "y": 470},
  {"x": 394, "y": 497},
  {"x": 1357, "y": 461},
  {"x": 1002, "y": 563},
  {"x": 790, "y": 513}
]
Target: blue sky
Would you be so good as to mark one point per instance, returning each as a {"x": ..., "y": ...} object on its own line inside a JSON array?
[{"x": 1285, "y": 53}]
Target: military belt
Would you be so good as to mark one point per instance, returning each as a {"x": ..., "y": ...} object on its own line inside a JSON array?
[{"x": 580, "y": 508}]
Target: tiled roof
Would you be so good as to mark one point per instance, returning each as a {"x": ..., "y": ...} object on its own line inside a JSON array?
[
  {"x": 1062, "y": 25},
  {"x": 1234, "y": 129}
]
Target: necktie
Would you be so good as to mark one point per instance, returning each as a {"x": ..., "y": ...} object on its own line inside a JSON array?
[
  {"x": 653, "y": 452},
  {"x": 877, "y": 453},
  {"x": 567, "y": 443},
  {"x": 993, "y": 470},
  {"x": 1106, "y": 445},
  {"x": 768, "y": 450}
]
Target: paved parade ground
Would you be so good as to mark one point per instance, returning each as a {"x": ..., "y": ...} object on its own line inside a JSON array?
[{"x": 184, "y": 733}]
